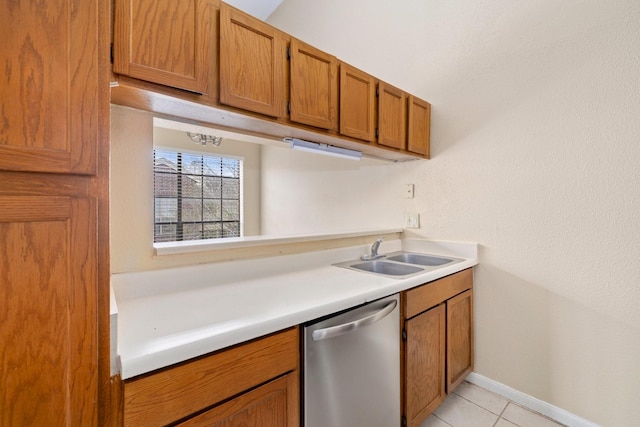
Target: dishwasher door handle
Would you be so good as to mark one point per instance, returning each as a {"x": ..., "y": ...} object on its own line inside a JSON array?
[{"x": 336, "y": 331}]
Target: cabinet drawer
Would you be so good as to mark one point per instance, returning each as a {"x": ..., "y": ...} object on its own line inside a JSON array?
[
  {"x": 273, "y": 404},
  {"x": 176, "y": 392},
  {"x": 431, "y": 294}
]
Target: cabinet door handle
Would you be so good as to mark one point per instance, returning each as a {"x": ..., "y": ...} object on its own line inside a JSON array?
[{"x": 336, "y": 331}]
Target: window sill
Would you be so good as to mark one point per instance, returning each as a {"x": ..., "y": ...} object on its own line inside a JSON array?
[{"x": 172, "y": 248}]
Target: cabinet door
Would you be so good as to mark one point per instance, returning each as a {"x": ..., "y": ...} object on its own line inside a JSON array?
[
  {"x": 164, "y": 41},
  {"x": 459, "y": 338},
  {"x": 49, "y": 94},
  {"x": 274, "y": 404},
  {"x": 252, "y": 56},
  {"x": 392, "y": 116},
  {"x": 424, "y": 364},
  {"x": 313, "y": 86},
  {"x": 357, "y": 103},
  {"x": 48, "y": 320},
  {"x": 419, "y": 126}
]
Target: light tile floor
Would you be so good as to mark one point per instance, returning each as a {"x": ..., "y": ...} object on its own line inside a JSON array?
[{"x": 473, "y": 406}]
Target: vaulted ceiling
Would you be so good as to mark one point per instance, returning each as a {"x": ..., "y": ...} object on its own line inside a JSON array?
[{"x": 259, "y": 8}]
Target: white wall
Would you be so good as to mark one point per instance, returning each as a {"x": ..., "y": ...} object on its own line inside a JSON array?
[
  {"x": 306, "y": 193},
  {"x": 535, "y": 153}
]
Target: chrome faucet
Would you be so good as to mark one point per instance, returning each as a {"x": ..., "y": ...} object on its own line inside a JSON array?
[{"x": 374, "y": 251}]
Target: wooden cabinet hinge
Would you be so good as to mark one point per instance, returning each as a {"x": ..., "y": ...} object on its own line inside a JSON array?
[
  {"x": 404, "y": 334},
  {"x": 111, "y": 53},
  {"x": 377, "y": 91},
  {"x": 404, "y": 421},
  {"x": 377, "y": 132},
  {"x": 288, "y": 52},
  {"x": 288, "y": 107}
]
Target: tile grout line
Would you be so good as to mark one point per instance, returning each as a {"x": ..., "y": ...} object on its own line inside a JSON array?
[
  {"x": 441, "y": 419},
  {"x": 509, "y": 402},
  {"x": 481, "y": 407}
]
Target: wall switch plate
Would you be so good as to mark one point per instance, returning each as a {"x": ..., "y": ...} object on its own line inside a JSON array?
[
  {"x": 413, "y": 220},
  {"x": 408, "y": 194}
]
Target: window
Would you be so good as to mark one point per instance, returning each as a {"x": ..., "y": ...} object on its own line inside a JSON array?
[{"x": 195, "y": 196}]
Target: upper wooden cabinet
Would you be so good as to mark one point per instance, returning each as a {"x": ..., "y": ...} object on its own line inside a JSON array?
[
  {"x": 252, "y": 56},
  {"x": 357, "y": 103},
  {"x": 392, "y": 116},
  {"x": 419, "y": 126},
  {"x": 49, "y": 92},
  {"x": 313, "y": 86},
  {"x": 227, "y": 58},
  {"x": 165, "y": 41}
]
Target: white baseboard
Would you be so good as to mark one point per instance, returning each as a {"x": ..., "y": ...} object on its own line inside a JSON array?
[{"x": 530, "y": 402}]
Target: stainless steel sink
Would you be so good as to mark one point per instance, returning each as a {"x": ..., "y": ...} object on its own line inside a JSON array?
[
  {"x": 401, "y": 264},
  {"x": 388, "y": 268},
  {"x": 420, "y": 259}
]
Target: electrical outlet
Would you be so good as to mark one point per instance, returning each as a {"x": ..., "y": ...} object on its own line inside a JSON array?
[
  {"x": 408, "y": 192},
  {"x": 413, "y": 220}
]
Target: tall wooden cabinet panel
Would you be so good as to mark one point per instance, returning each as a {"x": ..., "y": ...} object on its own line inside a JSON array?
[
  {"x": 48, "y": 263},
  {"x": 252, "y": 56},
  {"x": 392, "y": 116},
  {"x": 49, "y": 90},
  {"x": 459, "y": 338},
  {"x": 425, "y": 364},
  {"x": 54, "y": 261},
  {"x": 357, "y": 103},
  {"x": 419, "y": 126},
  {"x": 165, "y": 41},
  {"x": 313, "y": 86}
]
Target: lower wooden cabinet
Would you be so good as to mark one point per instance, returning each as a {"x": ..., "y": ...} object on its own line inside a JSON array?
[
  {"x": 425, "y": 364},
  {"x": 437, "y": 342},
  {"x": 459, "y": 338},
  {"x": 268, "y": 405},
  {"x": 254, "y": 381}
]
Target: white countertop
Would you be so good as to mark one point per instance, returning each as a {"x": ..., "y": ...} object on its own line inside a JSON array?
[{"x": 171, "y": 315}]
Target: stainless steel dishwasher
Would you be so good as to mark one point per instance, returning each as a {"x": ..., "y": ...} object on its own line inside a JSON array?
[{"x": 352, "y": 367}]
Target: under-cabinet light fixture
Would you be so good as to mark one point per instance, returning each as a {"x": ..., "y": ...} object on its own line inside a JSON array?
[{"x": 326, "y": 149}]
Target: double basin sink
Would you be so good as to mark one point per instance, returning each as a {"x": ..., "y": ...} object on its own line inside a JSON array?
[{"x": 400, "y": 264}]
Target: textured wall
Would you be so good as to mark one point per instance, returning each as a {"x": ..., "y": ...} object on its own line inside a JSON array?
[{"x": 535, "y": 145}]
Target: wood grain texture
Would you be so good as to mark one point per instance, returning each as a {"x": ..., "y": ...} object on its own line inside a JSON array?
[
  {"x": 177, "y": 392},
  {"x": 166, "y": 41},
  {"x": 357, "y": 103},
  {"x": 49, "y": 91},
  {"x": 425, "y": 364},
  {"x": 459, "y": 338},
  {"x": 48, "y": 317},
  {"x": 419, "y": 126},
  {"x": 275, "y": 404},
  {"x": 313, "y": 86},
  {"x": 431, "y": 294},
  {"x": 392, "y": 116},
  {"x": 252, "y": 56}
]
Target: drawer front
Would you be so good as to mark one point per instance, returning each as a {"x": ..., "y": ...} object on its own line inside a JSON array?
[
  {"x": 431, "y": 294},
  {"x": 174, "y": 393}
]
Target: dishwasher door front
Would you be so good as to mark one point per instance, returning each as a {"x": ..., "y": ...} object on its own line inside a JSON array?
[{"x": 352, "y": 367}]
